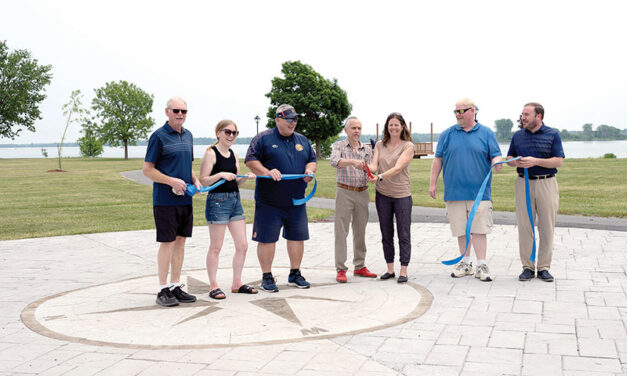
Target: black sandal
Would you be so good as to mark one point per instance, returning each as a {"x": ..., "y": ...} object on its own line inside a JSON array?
[
  {"x": 402, "y": 279},
  {"x": 388, "y": 275},
  {"x": 245, "y": 289},
  {"x": 215, "y": 294}
]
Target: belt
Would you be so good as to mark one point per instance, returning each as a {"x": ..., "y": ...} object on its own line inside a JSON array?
[
  {"x": 537, "y": 177},
  {"x": 355, "y": 189}
]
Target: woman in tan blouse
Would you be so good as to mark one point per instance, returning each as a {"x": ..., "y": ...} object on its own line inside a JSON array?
[{"x": 393, "y": 198}]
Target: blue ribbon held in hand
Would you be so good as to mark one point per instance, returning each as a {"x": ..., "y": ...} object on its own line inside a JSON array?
[
  {"x": 191, "y": 189},
  {"x": 530, "y": 214},
  {"x": 475, "y": 205}
]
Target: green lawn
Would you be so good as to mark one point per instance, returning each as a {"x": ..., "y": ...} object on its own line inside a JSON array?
[
  {"x": 93, "y": 197},
  {"x": 90, "y": 197}
]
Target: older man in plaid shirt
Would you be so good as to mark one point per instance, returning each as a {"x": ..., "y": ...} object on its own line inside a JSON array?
[{"x": 351, "y": 199}]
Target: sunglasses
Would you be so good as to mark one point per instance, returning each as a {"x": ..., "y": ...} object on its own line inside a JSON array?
[
  {"x": 229, "y": 132},
  {"x": 176, "y": 111},
  {"x": 294, "y": 120},
  {"x": 462, "y": 111}
]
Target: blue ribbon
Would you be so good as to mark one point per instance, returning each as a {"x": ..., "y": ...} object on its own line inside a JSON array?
[
  {"x": 192, "y": 190},
  {"x": 475, "y": 205},
  {"x": 299, "y": 201},
  {"x": 530, "y": 214}
]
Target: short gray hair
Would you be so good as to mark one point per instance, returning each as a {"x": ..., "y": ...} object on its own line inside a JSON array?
[
  {"x": 348, "y": 120},
  {"x": 173, "y": 99}
]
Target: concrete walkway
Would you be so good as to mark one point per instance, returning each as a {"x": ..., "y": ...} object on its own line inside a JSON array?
[{"x": 84, "y": 305}]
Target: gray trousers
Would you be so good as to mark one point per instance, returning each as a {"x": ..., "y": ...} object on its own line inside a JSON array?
[{"x": 350, "y": 205}]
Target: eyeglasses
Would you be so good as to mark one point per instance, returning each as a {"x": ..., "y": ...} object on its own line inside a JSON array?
[
  {"x": 462, "y": 111},
  {"x": 229, "y": 132},
  {"x": 176, "y": 111},
  {"x": 294, "y": 120}
]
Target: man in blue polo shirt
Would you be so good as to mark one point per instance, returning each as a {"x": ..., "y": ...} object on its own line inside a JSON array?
[
  {"x": 168, "y": 164},
  {"x": 273, "y": 152},
  {"x": 466, "y": 152},
  {"x": 541, "y": 150}
]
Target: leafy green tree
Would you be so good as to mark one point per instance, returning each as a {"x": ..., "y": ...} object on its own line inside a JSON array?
[
  {"x": 565, "y": 135},
  {"x": 90, "y": 145},
  {"x": 607, "y": 132},
  {"x": 123, "y": 110},
  {"x": 22, "y": 87},
  {"x": 326, "y": 147},
  {"x": 503, "y": 129},
  {"x": 322, "y": 103},
  {"x": 587, "y": 132},
  {"x": 72, "y": 110}
]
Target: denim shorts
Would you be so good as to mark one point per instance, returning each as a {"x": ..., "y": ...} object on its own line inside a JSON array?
[{"x": 223, "y": 207}]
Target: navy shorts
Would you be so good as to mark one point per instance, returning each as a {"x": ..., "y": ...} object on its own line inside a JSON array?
[
  {"x": 223, "y": 207},
  {"x": 269, "y": 220},
  {"x": 173, "y": 221}
]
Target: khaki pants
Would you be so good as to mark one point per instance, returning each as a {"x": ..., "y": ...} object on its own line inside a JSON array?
[
  {"x": 350, "y": 204},
  {"x": 545, "y": 197}
]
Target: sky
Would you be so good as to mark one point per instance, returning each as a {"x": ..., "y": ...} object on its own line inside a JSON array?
[{"x": 413, "y": 57}]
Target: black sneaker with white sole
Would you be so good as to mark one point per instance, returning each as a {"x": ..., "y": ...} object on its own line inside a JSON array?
[
  {"x": 166, "y": 298},
  {"x": 182, "y": 296}
]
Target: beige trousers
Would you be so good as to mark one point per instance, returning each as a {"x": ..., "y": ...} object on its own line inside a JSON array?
[
  {"x": 545, "y": 198},
  {"x": 350, "y": 204}
]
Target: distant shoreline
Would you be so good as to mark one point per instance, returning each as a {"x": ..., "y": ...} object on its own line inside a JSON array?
[{"x": 244, "y": 141}]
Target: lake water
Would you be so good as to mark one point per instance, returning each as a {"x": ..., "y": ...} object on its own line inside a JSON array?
[{"x": 573, "y": 149}]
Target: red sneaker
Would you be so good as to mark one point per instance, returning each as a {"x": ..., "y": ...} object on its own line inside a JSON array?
[
  {"x": 341, "y": 276},
  {"x": 364, "y": 272}
]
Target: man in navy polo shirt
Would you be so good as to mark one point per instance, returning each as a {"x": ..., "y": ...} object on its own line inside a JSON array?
[
  {"x": 466, "y": 151},
  {"x": 273, "y": 152},
  {"x": 168, "y": 164},
  {"x": 541, "y": 150}
]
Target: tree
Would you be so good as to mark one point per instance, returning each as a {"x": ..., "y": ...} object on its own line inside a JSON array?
[
  {"x": 503, "y": 129},
  {"x": 71, "y": 110},
  {"x": 565, "y": 135},
  {"x": 123, "y": 109},
  {"x": 90, "y": 145},
  {"x": 587, "y": 132},
  {"x": 22, "y": 87},
  {"x": 607, "y": 132},
  {"x": 323, "y": 105}
]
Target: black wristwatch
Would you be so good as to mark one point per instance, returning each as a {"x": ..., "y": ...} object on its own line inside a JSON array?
[{"x": 380, "y": 177}]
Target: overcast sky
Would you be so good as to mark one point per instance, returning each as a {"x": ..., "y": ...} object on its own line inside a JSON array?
[{"x": 413, "y": 57}]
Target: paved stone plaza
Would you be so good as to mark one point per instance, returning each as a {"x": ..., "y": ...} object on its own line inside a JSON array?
[{"x": 84, "y": 305}]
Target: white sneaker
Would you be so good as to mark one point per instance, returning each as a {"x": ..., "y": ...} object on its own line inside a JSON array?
[
  {"x": 462, "y": 269},
  {"x": 483, "y": 273}
]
